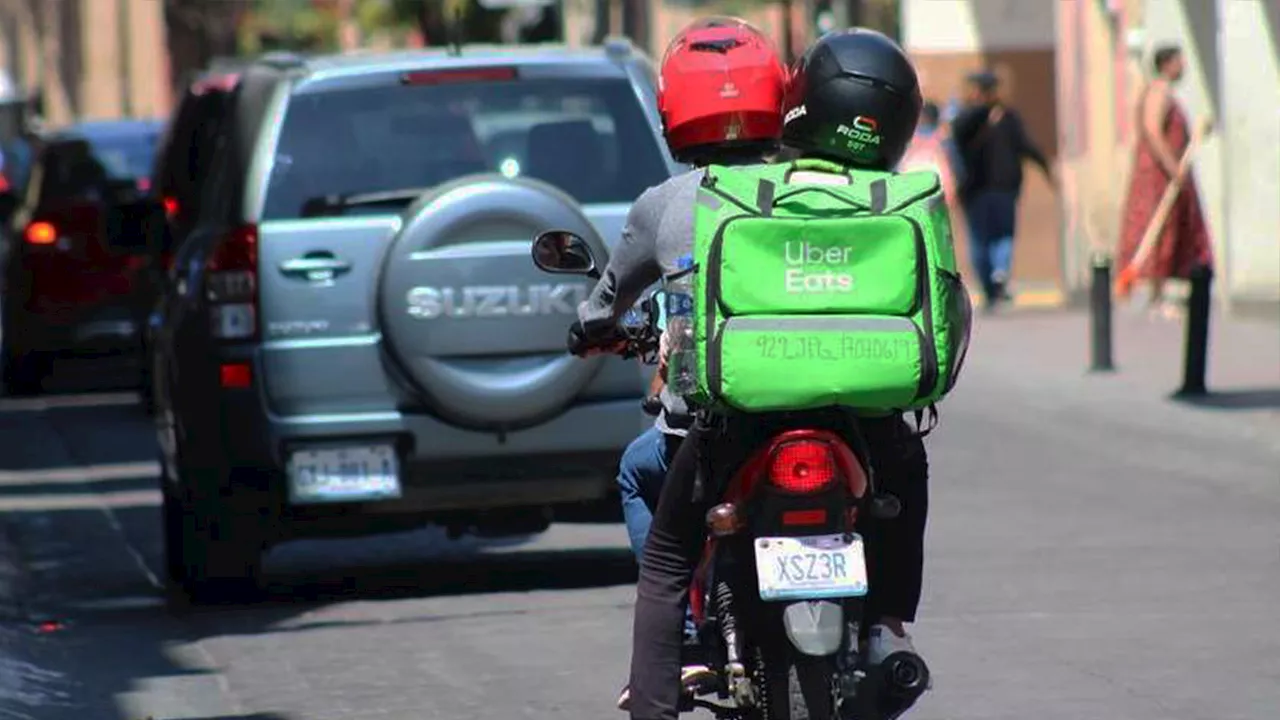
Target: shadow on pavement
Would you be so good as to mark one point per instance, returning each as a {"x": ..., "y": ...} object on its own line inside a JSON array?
[
  {"x": 102, "y": 639},
  {"x": 115, "y": 631},
  {"x": 255, "y": 716},
  {"x": 1248, "y": 399}
]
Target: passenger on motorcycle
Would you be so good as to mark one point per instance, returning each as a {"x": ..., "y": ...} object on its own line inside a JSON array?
[
  {"x": 703, "y": 124},
  {"x": 842, "y": 76}
]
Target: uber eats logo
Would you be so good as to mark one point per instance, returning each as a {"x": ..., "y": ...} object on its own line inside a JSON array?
[{"x": 816, "y": 269}]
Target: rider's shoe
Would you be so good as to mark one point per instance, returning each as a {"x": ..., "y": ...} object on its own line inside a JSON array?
[
  {"x": 882, "y": 642},
  {"x": 695, "y": 679}
]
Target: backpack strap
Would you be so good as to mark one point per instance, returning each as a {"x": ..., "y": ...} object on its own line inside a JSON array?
[
  {"x": 932, "y": 413},
  {"x": 765, "y": 197},
  {"x": 879, "y": 196}
]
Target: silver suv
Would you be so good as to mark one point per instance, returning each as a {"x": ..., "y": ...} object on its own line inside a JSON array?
[{"x": 353, "y": 339}]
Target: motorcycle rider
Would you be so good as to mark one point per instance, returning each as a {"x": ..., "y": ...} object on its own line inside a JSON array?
[
  {"x": 843, "y": 75},
  {"x": 702, "y": 125}
]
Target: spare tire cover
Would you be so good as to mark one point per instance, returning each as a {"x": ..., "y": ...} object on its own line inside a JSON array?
[{"x": 474, "y": 326}]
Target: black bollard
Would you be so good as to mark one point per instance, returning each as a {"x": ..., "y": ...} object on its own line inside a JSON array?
[
  {"x": 1100, "y": 314},
  {"x": 1195, "y": 360}
]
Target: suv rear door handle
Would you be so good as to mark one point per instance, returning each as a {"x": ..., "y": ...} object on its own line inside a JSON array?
[{"x": 316, "y": 267}]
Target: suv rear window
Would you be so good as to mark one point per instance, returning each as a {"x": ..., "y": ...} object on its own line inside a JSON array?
[
  {"x": 188, "y": 152},
  {"x": 589, "y": 137},
  {"x": 80, "y": 168}
]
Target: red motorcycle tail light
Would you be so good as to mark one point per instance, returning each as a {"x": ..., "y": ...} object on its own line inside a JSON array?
[
  {"x": 803, "y": 466},
  {"x": 817, "y": 516}
]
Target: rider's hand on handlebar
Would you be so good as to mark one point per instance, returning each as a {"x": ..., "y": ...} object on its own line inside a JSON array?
[{"x": 582, "y": 346}]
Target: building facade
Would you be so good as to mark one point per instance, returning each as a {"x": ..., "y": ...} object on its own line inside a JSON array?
[
  {"x": 949, "y": 39},
  {"x": 1076, "y": 69},
  {"x": 111, "y": 56}
]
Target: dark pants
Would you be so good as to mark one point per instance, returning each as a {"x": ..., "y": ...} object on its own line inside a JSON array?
[
  {"x": 675, "y": 543},
  {"x": 992, "y": 216}
]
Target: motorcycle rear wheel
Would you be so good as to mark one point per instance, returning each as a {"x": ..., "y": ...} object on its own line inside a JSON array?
[{"x": 801, "y": 687}]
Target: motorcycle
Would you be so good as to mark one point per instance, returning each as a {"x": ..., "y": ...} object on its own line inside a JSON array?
[{"x": 779, "y": 592}]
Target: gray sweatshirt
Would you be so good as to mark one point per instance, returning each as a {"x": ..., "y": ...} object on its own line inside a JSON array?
[{"x": 658, "y": 232}]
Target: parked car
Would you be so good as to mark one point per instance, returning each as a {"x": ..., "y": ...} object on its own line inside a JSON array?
[
  {"x": 354, "y": 339},
  {"x": 183, "y": 161},
  {"x": 77, "y": 275}
]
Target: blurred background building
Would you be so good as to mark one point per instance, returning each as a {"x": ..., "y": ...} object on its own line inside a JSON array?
[{"x": 1071, "y": 67}]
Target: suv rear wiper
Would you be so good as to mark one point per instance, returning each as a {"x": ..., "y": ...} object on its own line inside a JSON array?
[{"x": 322, "y": 205}]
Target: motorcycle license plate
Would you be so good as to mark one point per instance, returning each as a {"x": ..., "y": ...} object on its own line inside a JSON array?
[{"x": 802, "y": 568}]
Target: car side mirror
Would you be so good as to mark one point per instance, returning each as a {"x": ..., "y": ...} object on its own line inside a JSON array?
[{"x": 564, "y": 252}]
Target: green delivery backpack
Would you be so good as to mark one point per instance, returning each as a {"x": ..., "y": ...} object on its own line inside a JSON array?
[{"x": 814, "y": 295}]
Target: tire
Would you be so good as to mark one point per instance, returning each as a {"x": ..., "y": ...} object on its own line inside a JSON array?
[
  {"x": 800, "y": 686},
  {"x": 146, "y": 392},
  {"x": 213, "y": 548},
  {"x": 24, "y": 373}
]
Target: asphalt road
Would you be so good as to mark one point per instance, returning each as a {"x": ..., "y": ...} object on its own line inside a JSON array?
[{"x": 1095, "y": 552}]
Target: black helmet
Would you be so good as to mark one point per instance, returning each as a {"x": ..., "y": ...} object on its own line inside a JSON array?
[{"x": 854, "y": 97}]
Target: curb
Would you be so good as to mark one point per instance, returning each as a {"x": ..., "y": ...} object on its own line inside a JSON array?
[{"x": 1028, "y": 299}]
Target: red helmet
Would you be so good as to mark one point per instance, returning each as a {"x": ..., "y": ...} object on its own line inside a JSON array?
[{"x": 721, "y": 82}]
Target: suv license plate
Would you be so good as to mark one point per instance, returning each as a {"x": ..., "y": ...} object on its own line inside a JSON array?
[
  {"x": 802, "y": 568},
  {"x": 351, "y": 474}
]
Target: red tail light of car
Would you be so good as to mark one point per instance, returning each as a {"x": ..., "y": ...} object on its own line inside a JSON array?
[
  {"x": 458, "y": 75},
  {"x": 235, "y": 376},
  {"x": 41, "y": 233},
  {"x": 170, "y": 206},
  {"x": 231, "y": 285},
  {"x": 803, "y": 466}
]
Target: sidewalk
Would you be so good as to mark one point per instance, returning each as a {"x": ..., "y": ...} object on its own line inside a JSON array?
[{"x": 1049, "y": 353}]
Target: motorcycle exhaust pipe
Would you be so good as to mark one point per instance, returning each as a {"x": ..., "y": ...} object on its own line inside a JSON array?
[
  {"x": 906, "y": 673},
  {"x": 904, "y": 678}
]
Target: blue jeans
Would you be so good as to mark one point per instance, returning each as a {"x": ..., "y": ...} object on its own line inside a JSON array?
[
  {"x": 641, "y": 474},
  {"x": 992, "y": 216}
]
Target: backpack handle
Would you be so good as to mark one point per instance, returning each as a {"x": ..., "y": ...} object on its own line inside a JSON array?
[
  {"x": 767, "y": 200},
  {"x": 819, "y": 165}
]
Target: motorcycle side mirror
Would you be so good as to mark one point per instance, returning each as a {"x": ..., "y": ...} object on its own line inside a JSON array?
[{"x": 563, "y": 252}]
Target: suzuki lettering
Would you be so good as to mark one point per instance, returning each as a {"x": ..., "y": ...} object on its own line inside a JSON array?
[
  {"x": 490, "y": 301},
  {"x": 813, "y": 269}
]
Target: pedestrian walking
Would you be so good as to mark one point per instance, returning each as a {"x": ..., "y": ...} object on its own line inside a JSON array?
[
  {"x": 1163, "y": 136},
  {"x": 992, "y": 142}
]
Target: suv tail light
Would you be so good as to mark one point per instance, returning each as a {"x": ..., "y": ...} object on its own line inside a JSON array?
[
  {"x": 231, "y": 285},
  {"x": 803, "y": 466},
  {"x": 41, "y": 233},
  {"x": 458, "y": 75}
]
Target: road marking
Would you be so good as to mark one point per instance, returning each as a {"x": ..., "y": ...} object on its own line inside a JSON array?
[
  {"x": 81, "y": 501},
  {"x": 81, "y": 474},
  {"x": 57, "y": 402},
  {"x": 1027, "y": 299},
  {"x": 129, "y": 602}
]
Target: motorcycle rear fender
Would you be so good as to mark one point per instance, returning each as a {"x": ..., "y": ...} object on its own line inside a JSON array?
[{"x": 814, "y": 627}]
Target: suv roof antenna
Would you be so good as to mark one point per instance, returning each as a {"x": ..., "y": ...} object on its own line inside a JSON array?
[{"x": 456, "y": 27}]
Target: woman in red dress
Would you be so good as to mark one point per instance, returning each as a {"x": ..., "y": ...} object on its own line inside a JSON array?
[{"x": 1163, "y": 134}]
